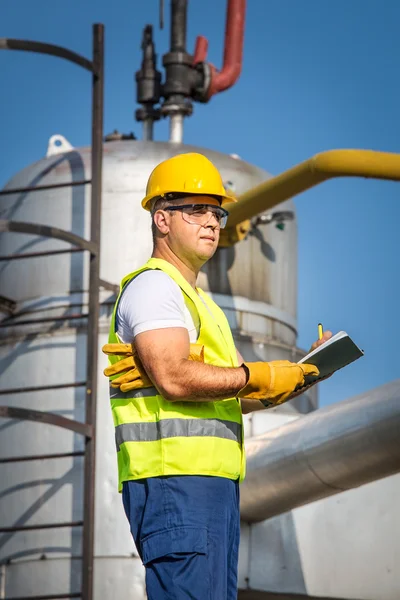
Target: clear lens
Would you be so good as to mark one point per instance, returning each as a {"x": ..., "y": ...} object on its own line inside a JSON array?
[{"x": 201, "y": 214}]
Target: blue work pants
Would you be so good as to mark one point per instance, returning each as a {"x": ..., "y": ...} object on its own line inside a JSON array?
[{"x": 186, "y": 530}]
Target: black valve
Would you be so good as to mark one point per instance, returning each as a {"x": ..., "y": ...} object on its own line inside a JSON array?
[{"x": 148, "y": 80}]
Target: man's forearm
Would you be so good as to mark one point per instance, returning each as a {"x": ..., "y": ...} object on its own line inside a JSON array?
[
  {"x": 179, "y": 379},
  {"x": 195, "y": 381}
]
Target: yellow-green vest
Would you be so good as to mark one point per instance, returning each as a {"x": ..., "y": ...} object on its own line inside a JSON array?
[{"x": 156, "y": 437}]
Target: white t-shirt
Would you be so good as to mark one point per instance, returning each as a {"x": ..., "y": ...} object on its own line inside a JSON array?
[{"x": 154, "y": 301}]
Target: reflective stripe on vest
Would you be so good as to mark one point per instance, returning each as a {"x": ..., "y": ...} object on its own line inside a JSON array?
[
  {"x": 168, "y": 428},
  {"x": 116, "y": 394}
]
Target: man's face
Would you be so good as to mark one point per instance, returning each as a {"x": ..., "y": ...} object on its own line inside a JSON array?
[{"x": 190, "y": 241}]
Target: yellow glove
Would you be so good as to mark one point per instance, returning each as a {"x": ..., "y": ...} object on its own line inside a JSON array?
[
  {"x": 275, "y": 381},
  {"x": 130, "y": 369},
  {"x": 133, "y": 375}
]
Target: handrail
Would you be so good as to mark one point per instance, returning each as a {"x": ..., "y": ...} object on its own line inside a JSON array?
[
  {"x": 41, "y": 188},
  {"x": 49, "y": 231},
  {"x": 53, "y": 50},
  {"x": 88, "y": 428},
  {"x": 28, "y": 414}
]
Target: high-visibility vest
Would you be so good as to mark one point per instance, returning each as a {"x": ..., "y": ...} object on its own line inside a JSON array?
[{"x": 156, "y": 437}]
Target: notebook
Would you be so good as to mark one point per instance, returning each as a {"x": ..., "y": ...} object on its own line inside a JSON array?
[{"x": 336, "y": 353}]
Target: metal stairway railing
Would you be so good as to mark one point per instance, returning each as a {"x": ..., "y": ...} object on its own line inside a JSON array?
[{"x": 87, "y": 428}]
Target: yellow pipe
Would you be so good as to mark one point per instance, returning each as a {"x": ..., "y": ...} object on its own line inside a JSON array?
[{"x": 333, "y": 163}]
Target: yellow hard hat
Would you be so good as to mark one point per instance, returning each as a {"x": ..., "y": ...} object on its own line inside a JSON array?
[{"x": 189, "y": 174}]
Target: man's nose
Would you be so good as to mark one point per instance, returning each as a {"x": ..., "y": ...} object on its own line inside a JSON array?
[{"x": 212, "y": 221}]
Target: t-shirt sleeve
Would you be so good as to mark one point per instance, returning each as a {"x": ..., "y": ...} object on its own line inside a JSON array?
[{"x": 150, "y": 301}]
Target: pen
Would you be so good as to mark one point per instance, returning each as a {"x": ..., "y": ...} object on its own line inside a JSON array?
[{"x": 320, "y": 331}]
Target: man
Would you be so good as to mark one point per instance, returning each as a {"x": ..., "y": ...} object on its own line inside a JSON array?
[{"x": 176, "y": 378}]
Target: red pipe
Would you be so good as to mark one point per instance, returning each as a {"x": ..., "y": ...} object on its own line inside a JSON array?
[
  {"x": 200, "y": 50},
  {"x": 233, "y": 49}
]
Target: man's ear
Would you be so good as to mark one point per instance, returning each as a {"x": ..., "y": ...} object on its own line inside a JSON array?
[{"x": 161, "y": 220}]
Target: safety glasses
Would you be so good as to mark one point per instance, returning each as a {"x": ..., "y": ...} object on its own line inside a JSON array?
[{"x": 201, "y": 214}]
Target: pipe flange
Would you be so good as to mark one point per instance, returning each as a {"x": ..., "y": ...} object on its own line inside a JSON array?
[
  {"x": 177, "y": 57},
  {"x": 203, "y": 80},
  {"x": 177, "y": 107},
  {"x": 147, "y": 112}
]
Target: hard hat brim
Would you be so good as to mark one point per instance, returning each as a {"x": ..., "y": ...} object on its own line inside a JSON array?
[{"x": 224, "y": 199}]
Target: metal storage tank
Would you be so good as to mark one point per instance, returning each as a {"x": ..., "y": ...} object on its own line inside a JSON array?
[{"x": 255, "y": 282}]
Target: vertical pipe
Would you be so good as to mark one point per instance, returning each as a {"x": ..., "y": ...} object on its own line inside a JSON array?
[
  {"x": 2, "y": 581},
  {"x": 148, "y": 129},
  {"x": 93, "y": 318},
  {"x": 178, "y": 25},
  {"x": 176, "y": 129},
  {"x": 177, "y": 63},
  {"x": 161, "y": 14}
]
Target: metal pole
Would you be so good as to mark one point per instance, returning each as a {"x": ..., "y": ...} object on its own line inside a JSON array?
[
  {"x": 178, "y": 25},
  {"x": 93, "y": 319},
  {"x": 148, "y": 129},
  {"x": 178, "y": 66},
  {"x": 176, "y": 129}
]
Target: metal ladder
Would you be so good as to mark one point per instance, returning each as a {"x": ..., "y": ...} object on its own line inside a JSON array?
[{"x": 78, "y": 244}]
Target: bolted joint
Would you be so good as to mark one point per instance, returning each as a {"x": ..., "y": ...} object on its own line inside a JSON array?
[
  {"x": 178, "y": 66},
  {"x": 232, "y": 235},
  {"x": 148, "y": 89},
  {"x": 147, "y": 112},
  {"x": 201, "y": 80},
  {"x": 177, "y": 106}
]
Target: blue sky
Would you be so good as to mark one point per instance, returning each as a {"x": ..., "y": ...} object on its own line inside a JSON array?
[{"x": 316, "y": 75}]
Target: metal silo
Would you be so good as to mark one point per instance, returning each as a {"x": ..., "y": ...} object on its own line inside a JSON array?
[
  {"x": 54, "y": 322},
  {"x": 254, "y": 281},
  {"x": 46, "y": 343}
]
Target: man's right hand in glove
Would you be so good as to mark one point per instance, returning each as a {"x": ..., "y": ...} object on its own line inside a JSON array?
[{"x": 274, "y": 381}]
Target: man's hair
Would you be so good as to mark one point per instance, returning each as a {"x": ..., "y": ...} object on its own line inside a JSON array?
[{"x": 160, "y": 203}]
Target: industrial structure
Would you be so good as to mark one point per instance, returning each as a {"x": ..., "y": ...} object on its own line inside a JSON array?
[{"x": 61, "y": 533}]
